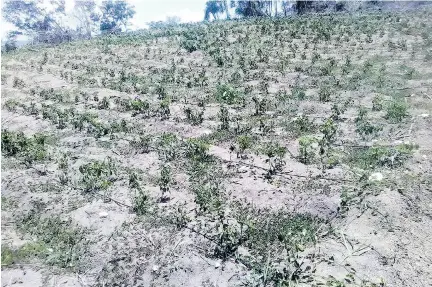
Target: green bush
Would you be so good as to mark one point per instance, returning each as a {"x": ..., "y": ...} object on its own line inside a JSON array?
[
  {"x": 307, "y": 149},
  {"x": 97, "y": 175},
  {"x": 30, "y": 149},
  {"x": 196, "y": 149},
  {"x": 397, "y": 110},
  {"x": 226, "y": 94}
]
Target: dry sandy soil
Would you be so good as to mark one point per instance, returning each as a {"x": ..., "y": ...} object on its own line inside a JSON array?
[{"x": 293, "y": 152}]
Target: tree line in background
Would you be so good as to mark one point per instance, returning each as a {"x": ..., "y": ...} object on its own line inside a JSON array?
[
  {"x": 51, "y": 24},
  {"x": 271, "y": 8}
]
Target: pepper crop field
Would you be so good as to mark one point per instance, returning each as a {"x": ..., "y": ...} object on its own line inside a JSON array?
[{"x": 270, "y": 152}]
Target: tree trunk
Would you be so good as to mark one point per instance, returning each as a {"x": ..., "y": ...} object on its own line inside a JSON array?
[{"x": 225, "y": 3}]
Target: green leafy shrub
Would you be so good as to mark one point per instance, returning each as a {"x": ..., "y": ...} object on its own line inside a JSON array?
[
  {"x": 97, "y": 175},
  {"x": 168, "y": 147},
  {"x": 189, "y": 45},
  {"x": 227, "y": 95},
  {"x": 307, "y": 149},
  {"x": 7, "y": 255},
  {"x": 207, "y": 197},
  {"x": 137, "y": 106},
  {"x": 29, "y": 149},
  {"x": 397, "y": 110},
  {"x": 244, "y": 142},
  {"x": 196, "y": 149}
]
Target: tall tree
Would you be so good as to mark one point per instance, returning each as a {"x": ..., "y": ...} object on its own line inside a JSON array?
[
  {"x": 214, "y": 8},
  {"x": 303, "y": 6},
  {"x": 249, "y": 8},
  {"x": 34, "y": 19},
  {"x": 85, "y": 14},
  {"x": 10, "y": 43},
  {"x": 115, "y": 16},
  {"x": 285, "y": 8},
  {"x": 226, "y": 8}
]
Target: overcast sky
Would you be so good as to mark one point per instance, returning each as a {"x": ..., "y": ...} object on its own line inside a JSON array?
[{"x": 148, "y": 10}]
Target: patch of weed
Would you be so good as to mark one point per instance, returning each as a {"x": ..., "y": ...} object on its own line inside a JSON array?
[
  {"x": 381, "y": 156},
  {"x": 58, "y": 243},
  {"x": 301, "y": 125}
]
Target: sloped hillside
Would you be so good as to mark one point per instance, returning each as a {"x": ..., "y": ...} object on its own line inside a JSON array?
[{"x": 270, "y": 152}]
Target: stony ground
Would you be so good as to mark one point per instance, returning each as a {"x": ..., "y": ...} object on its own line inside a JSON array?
[{"x": 289, "y": 152}]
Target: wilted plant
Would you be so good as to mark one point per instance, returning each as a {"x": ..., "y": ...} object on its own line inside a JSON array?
[
  {"x": 377, "y": 103},
  {"x": 142, "y": 144},
  {"x": 141, "y": 200},
  {"x": 11, "y": 105},
  {"x": 263, "y": 86},
  {"x": 4, "y": 78},
  {"x": 164, "y": 110},
  {"x": 63, "y": 165},
  {"x": 275, "y": 154},
  {"x": 260, "y": 105},
  {"x": 165, "y": 181},
  {"x": 363, "y": 127},
  {"x": 328, "y": 129},
  {"x": 224, "y": 118},
  {"x": 193, "y": 116},
  {"x": 161, "y": 92},
  {"x": 244, "y": 142},
  {"x": 104, "y": 104},
  {"x": 18, "y": 83},
  {"x": 324, "y": 94},
  {"x": 31, "y": 109}
]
